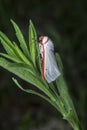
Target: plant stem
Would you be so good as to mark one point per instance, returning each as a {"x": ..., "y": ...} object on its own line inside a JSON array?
[{"x": 75, "y": 125}]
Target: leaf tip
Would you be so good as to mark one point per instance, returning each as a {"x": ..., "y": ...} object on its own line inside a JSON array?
[
  {"x": 30, "y": 21},
  {"x": 11, "y": 21}
]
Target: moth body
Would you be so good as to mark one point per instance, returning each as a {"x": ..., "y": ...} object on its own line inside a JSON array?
[{"x": 50, "y": 69}]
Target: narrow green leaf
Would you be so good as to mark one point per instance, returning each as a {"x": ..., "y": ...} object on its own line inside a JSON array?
[
  {"x": 21, "y": 55},
  {"x": 21, "y": 39},
  {"x": 36, "y": 57},
  {"x": 11, "y": 48},
  {"x": 28, "y": 90},
  {"x": 27, "y": 68},
  {"x": 59, "y": 62},
  {"x": 34, "y": 92},
  {"x": 14, "y": 59},
  {"x": 26, "y": 75},
  {"x": 64, "y": 94},
  {"x": 62, "y": 87},
  {"x": 32, "y": 45},
  {"x": 34, "y": 31},
  {"x": 7, "y": 44},
  {"x": 23, "y": 73},
  {"x": 63, "y": 91},
  {"x": 53, "y": 88}
]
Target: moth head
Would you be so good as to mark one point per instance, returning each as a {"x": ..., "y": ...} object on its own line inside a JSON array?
[{"x": 43, "y": 39}]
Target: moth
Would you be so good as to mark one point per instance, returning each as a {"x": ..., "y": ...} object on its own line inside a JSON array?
[{"x": 50, "y": 70}]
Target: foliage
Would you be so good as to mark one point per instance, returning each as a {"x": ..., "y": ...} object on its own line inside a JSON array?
[{"x": 25, "y": 63}]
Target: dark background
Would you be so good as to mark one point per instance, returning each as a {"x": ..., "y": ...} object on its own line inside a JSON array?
[{"x": 65, "y": 22}]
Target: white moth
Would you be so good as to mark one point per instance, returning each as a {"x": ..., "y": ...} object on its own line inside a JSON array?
[{"x": 50, "y": 69}]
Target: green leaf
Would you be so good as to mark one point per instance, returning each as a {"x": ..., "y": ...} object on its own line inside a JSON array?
[
  {"x": 34, "y": 46},
  {"x": 28, "y": 75},
  {"x": 12, "y": 49},
  {"x": 59, "y": 62},
  {"x": 21, "y": 39},
  {"x": 7, "y": 44},
  {"x": 28, "y": 90},
  {"x": 14, "y": 59},
  {"x": 21, "y": 55},
  {"x": 35, "y": 93},
  {"x": 64, "y": 94},
  {"x": 63, "y": 91},
  {"x": 34, "y": 31},
  {"x": 24, "y": 73}
]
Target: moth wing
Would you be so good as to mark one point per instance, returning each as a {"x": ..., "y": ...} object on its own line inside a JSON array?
[
  {"x": 40, "y": 48},
  {"x": 51, "y": 70}
]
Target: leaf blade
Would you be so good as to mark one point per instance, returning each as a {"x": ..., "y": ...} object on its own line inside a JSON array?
[
  {"x": 21, "y": 39},
  {"x": 59, "y": 62},
  {"x": 34, "y": 92},
  {"x": 7, "y": 44},
  {"x": 32, "y": 45},
  {"x": 23, "y": 73},
  {"x": 14, "y": 59}
]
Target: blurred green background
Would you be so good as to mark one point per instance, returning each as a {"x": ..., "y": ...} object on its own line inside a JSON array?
[{"x": 65, "y": 22}]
